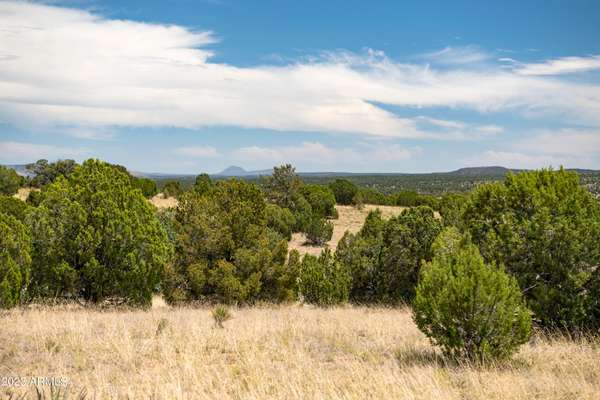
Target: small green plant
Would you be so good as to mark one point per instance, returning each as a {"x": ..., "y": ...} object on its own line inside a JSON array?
[
  {"x": 470, "y": 309},
  {"x": 162, "y": 325},
  {"x": 221, "y": 314},
  {"x": 319, "y": 231}
]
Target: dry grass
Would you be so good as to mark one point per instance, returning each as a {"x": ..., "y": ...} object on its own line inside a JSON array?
[
  {"x": 23, "y": 193},
  {"x": 291, "y": 352},
  {"x": 161, "y": 202},
  {"x": 350, "y": 219}
]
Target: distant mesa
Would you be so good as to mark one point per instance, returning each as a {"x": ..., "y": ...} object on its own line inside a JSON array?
[
  {"x": 481, "y": 171},
  {"x": 234, "y": 170}
]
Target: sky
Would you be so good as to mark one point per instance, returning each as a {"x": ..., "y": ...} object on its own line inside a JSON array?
[{"x": 190, "y": 86}]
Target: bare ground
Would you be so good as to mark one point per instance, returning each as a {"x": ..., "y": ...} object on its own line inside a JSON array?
[
  {"x": 23, "y": 193},
  {"x": 161, "y": 202},
  {"x": 288, "y": 352}
]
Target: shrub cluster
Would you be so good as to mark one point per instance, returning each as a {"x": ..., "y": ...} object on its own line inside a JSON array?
[
  {"x": 10, "y": 181},
  {"x": 545, "y": 229},
  {"x": 470, "y": 309},
  {"x": 385, "y": 256},
  {"x": 310, "y": 205},
  {"x": 226, "y": 252},
  {"x": 90, "y": 234},
  {"x": 323, "y": 280}
]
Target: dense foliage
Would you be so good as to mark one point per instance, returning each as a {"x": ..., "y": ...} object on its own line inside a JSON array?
[
  {"x": 15, "y": 260},
  {"x": 10, "y": 181},
  {"x": 280, "y": 220},
  {"x": 319, "y": 231},
  {"x": 471, "y": 309},
  {"x": 321, "y": 200},
  {"x": 385, "y": 256},
  {"x": 225, "y": 250},
  {"x": 323, "y": 280},
  {"x": 14, "y": 207},
  {"x": 44, "y": 172},
  {"x": 171, "y": 189},
  {"x": 545, "y": 229},
  {"x": 343, "y": 190},
  {"x": 146, "y": 185},
  {"x": 95, "y": 236}
]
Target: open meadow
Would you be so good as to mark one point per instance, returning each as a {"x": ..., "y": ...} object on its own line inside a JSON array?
[{"x": 287, "y": 352}]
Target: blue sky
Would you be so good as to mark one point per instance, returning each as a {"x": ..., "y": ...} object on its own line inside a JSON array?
[{"x": 191, "y": 86}]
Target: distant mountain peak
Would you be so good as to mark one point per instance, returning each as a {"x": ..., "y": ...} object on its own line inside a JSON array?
[{"x": 233, "y": 170}]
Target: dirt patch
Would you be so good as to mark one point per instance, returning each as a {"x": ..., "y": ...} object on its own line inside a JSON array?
[
  {"x": 161, "y": 202},
  {"x": 23, "y": 193},
  {"x": 350, "y": 219}
]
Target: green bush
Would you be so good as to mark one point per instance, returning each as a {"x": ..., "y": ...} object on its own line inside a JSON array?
[
  {"x": 470, "y": 309},
  {"x": 225, "y": 250},
  {"x": 323, "y": 280},
  {"x": 95, "y": 236},
  {"x": 384, "y": 257},
  {"x": 34, "y": 198},
  {"x": 321, "y": 200},
  {"x": 45, "y": 173},
  {"x": 146, "y": 185},
  {"x": 281, "y": 220},
  {"x": 407, "y": 241},
  {"x": 203, "y": 184},
  {"x": 15, "y": 260},
  {"x": 302, "y": 213},
  {"x": 359, "y": 254},
  {"x": 172, "y": 189},
  {"x": 544, "y": 228},
  {"x": 283, "y": 186},
  {"x": 14, "y": 207},
  {"x": 452, "y": 207},
  {"x": 319, "y": 231},
  {"x": 343, "y": 191},
  {"x": 10, "y": 181}
]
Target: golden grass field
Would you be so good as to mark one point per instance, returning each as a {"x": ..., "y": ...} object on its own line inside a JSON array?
[{"x": 287, "y": 352}]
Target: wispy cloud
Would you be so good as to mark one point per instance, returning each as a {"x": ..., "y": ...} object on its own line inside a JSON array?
[
  {"x": 458, "y": 55},
  {"x": 559, "y": 66},
  {"x": 23, "y": 152}
]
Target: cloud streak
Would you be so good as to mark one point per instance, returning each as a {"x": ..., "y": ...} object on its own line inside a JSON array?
[{"x": 18, "y": 152}]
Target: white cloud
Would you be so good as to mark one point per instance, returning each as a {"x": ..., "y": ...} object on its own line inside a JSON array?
[
  {"x": 458, "y": 55},
  {"x": 565, "y": 65},
  {"x": 197, "y": 151},
  {"x": 568, "y": 147},
  {"x": 566, "y": 142},
  {"x": 23, "y": 152},
  {"x": 65, "y": 67},
  {"x": 315, "y": 155}
]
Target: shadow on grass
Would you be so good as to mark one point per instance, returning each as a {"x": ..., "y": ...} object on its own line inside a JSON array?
[
  {"x": 425, "y": 357},
  {"x": 420, "y": 357}
]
